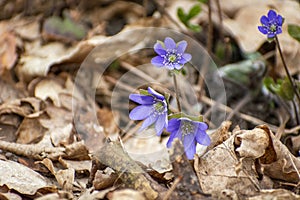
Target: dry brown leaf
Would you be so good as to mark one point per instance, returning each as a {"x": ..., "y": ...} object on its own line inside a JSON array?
[
  {"x": 39, "y": 58},
  {"x": 126, "y": 194},
  {"x": 21, "y": 178},
  {"x": 282, "y": 167},
  {"x": 61, "y": 136},
  {"x": 104, "y": 179},
  {"x": 29, "y": 131},
  {"x": 49, "y": 88},
  {"x": 81, "y": 166},
  {"x": 220, "y": 169},
  {"x": 275, "y": 194},
  {"x": 146, "y": 148},
  {"x": 8, "y": 54},
  {"x": 65, "y": 178},
  {"x": 252, "y": 143},
  {"x": 10, "y": 196}
]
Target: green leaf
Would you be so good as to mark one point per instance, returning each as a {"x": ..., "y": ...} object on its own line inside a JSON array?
[
  {"x": 144, "y": 92},
  {"x": 194, "y": 27},
  {"x": 294, "y": 31},
  {"x": 182, "y": 16},
  {"x": 194, "y": 11},
  {"x": 181, "y": 114},
  {"x": 282, "y": 87},
  {"x": 286, "y": 90},
  {"x": 203, "y": 1}
]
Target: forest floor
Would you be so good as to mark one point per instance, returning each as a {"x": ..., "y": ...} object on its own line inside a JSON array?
[{"x": 67, "y": 69}]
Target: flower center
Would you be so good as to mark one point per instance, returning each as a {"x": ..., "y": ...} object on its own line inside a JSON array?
[
  {"x": 187, "y": 127},
  {"x": 159, "y": 107},
  {"x": 172, "y": 58},
  {"x": 273, "y": 28}
]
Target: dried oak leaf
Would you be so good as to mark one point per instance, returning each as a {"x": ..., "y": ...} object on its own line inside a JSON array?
[
  {"x": 22, "y": 179},
  {"x": 283, "y": 165},
  {"x": 220, "y": 169}
]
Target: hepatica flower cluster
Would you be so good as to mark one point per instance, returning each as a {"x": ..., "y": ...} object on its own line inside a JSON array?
[
  {"x": 153, "y": 106},
  {"x": 271, "y": 25}
]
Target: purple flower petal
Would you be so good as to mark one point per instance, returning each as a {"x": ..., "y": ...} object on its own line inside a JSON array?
[
  {"x": 148, "y": 122},
  {"x": 279, "y": 30},
  {"x": 271, "y": 35},
  {"x": 177, "y": 66},
  {"x": 272, "y": 15},
  {"x": 202, "y": 138},
  {"x": 264, "y": 20},
  {"x": 159, "y": 49},
  {"x": 160, "y": 124},
  {"x": 181, "y": 46},
  {"x": 173, "y": 125},
  {"x": 170, "y": 44},
  {"x": 189, "y": 146},
  {"x": 187, "y": 57},
  {"x": 157, "y": 61},
  {"x": 279, "y": 20},
  {"x": 141, "y": 112},
  {"x": 156, "y": 94},
  {"x": 201, "y": 126},
  {"x": 141, "y": 99},
  {"x": 173, "y": 136},
  {"x": 263, "y": 29}
]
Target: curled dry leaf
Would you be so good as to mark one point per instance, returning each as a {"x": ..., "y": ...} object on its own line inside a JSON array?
[
  {"x": 22, "y": 179},
  {"x": 283, "y": 165},
  {"x": 220, "y": 169},
  {"x": 49, "y": 88},
  {"x": 252, "y": 143}
]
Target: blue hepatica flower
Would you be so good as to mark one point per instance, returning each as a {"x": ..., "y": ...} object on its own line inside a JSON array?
[
  {"x": 271, "y": 24},
  {"x": 189, "y": 132},
  {"x": 170, "y": 54},
  {"x": 153, "y": 109}
]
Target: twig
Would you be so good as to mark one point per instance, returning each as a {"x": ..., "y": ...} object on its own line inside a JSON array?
[
  {"x": 245, "y": 100},
  {"x": 295, "y": 167},
  {"x": 248, "y": 118},
  {"x": 173, "y": 187}
]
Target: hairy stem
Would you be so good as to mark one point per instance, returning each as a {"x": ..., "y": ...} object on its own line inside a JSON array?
[
  {"x": 177, "y": 92},
  {"x": 286, "y": 70},
  {"x": 289, "y": 77}
]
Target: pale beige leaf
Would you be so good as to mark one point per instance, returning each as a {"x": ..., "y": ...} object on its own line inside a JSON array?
[
  {"x": 21, "y": 178},
  {"x": 253, "y": 143}
]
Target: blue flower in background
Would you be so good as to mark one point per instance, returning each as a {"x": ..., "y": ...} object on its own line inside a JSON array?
[
  {"x": 271, "y": 24},
  {"x": 170, "y": 54},
  {"x": 189, "y": 132},
  {"x": 153, "y": 109}
]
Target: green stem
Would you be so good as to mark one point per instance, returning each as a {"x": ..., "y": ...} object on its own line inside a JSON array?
[
  {"x": 286, "y": 69},
  {"x": 176, "y": 91}
]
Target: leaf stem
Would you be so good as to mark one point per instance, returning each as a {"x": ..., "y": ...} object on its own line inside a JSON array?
[{"x": 176, "y": 91}]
